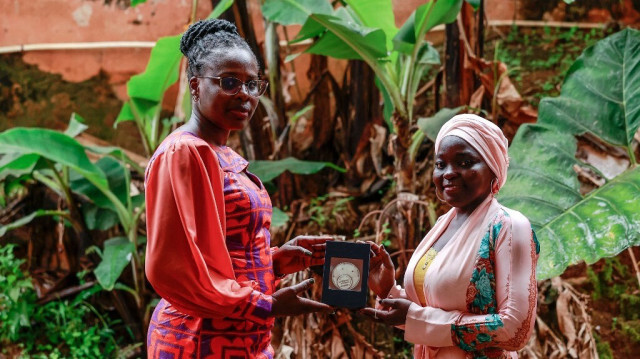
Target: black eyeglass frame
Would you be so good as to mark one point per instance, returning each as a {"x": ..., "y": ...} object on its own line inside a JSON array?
[{"x": 243, "y": 84}]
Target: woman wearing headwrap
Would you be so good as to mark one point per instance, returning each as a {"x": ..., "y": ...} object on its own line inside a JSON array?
[{"x": 470, "y": 286}]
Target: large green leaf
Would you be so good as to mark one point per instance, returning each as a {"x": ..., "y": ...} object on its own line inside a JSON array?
[
  {"x": 30, "y": 217},
  {"x": 376, "y": 14},
  {"x": 117, "y": 177},
  {"x": 344, "y": 38},
  {"x": 54, "y": 146},
  {"x": 289, "y": 12},
  {"x": 268, "y": 170},
  {"x": 600, "y": 96},
  {"x": 222, "y": 6},
  {"x": 161, "y": 71},
  {"x": 115, "y": 257},
  {"x": 17, "y": 164},
  {"x": 430, "y": 126},
  {"x": 117, "y": 153},
  {"x": 601, "y": 93},
  {"x": 279, "y": 218},
  {"x": 146, "y": 90},
  {"x": 98, "y": 218},
  {"x": 423, "y": 19}
]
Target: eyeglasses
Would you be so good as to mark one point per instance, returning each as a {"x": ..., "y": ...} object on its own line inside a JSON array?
[{"x": 231, "y": 85}]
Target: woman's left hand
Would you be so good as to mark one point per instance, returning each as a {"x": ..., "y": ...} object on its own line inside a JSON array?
[
  {"x": 299, "y": 253},
  {"x": 394, "y": 311}
]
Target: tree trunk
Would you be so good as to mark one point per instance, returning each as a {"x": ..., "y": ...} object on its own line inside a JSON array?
[
  {"x": 452, "y": 61},
  {"x": 272, "y": 48},
  {"x": 364, "y": 97},
  {"x": 323, "y": 120},
  {"x": 461, "y": 82}
]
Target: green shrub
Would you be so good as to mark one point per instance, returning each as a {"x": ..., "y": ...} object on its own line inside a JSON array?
[
  {"x": 17, "y": 297},
  {"x": 57, "y": 329},
  {"x": 603, "y": 348}
]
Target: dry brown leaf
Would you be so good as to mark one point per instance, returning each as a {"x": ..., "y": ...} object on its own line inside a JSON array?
[
  {"x": 508, "y": 99},
  {"x": 337, "y": 347},
  {"x": 566, "y": 322},
  {"x": 476, "y": 98},
  {"x": 378, "y": 136}
]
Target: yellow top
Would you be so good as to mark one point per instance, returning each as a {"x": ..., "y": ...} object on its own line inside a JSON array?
[{"x": 420, "y": 271}]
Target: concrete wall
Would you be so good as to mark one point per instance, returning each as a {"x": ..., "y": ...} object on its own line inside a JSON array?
[{"x": 70, "y": 21}]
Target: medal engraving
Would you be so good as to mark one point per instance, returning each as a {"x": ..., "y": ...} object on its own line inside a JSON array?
[{"x": 346, "y": 276}]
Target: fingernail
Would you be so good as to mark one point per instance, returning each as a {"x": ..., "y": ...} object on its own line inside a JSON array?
[
  {"x": 308, "y": 253},
  {"x": 312, "y": 280}
]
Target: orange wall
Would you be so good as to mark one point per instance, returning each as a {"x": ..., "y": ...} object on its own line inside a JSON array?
[
  {"x": 62, "y": 21},
  {"x": 51, "y": 21}
]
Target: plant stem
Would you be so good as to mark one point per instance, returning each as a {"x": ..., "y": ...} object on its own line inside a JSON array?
[
  {"x": 194, "y": 10},
  {"x": 412, "y": 60},
  {"x": 140, "y": 124},
  {"x": 63, "y": 182},
  {"x": 634, "y": 261}
]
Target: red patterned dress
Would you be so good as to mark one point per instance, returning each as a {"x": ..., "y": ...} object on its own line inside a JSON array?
[{"x": 208, "y": 253}]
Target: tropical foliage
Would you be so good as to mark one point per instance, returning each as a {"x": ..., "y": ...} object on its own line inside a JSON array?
[
  {"x": 365, "y": 30},
  {"x": 600, "y": 98}
]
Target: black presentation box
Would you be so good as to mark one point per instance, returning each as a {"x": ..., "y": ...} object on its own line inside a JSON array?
[{"x": 345, "y": 274}]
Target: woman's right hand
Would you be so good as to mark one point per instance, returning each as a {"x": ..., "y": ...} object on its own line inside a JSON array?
[
  {"x": 287, "y": 302},
  {"x": 381, "y": 271}
]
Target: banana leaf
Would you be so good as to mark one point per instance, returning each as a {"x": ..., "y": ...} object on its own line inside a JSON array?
[
  {"x": 116, "y": 256},
  {"x": 54, "y": 146},
  {"x": 268, "y": 170},
  {"x": 376, "y": 14},
  {"x": 434, "y": 13},
  {"x": 289, "y": 12}
]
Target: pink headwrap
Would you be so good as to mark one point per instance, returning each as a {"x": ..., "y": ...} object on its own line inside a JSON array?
[{"x": 485, "y": 137}]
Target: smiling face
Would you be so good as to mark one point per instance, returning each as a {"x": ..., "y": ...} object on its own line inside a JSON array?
[
  {"x": 225, "y": 112},
  {"x": 460, "y": 175}
]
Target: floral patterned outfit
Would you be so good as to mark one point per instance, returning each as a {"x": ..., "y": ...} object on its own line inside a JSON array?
[
  {"x": 480, "y": 290},
  {"x": 208, "y": 253}
]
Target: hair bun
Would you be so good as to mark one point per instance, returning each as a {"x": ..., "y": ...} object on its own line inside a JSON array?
[
  {"x": 223, "y": 26},
  {"x": 203, "y": 28}
]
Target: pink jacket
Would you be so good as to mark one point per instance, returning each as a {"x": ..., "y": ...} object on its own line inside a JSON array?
[{"x": 480, "y": 289}]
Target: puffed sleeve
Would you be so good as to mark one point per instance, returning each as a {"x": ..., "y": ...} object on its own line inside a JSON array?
[
  {"x": 516, "y": 254},
  {"x": 187, "y": 260}
]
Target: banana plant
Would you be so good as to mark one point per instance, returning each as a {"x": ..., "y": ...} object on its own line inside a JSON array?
[
  {"x": 365, "y": 30},
  {"x": 146, "y": 90},
  {"x": 600, "y": 98},
  {"x": 61, "y": 163}
]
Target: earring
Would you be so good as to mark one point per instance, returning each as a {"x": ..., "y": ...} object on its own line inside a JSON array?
[{"x": 438, "y": 197}]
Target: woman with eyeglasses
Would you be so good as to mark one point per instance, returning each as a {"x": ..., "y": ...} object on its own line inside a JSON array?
[{"x": 208, "y": 248}]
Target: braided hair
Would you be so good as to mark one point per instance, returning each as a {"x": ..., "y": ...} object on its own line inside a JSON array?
[{"x": 206, "y": 37}]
